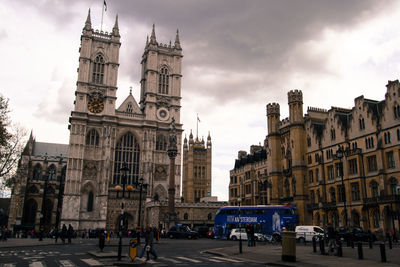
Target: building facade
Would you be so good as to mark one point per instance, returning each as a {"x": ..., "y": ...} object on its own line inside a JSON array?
[
  {"x": 103, "y": 137},
  {"x": 340, "y": 165},
  {"x": 196, "y": 174},
  {"x": 36, "y": 197}
]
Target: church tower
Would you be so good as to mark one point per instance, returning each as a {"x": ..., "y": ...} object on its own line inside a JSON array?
[
  {"x": 197, "y": 160},
  {"x": 91, "y": 121}
]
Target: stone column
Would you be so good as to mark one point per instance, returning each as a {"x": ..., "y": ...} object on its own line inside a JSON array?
[{"x": 172, "y": 152}]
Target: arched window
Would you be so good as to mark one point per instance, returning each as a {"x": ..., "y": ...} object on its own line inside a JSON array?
[
  {"x": 50, "y": 190},
  {"x": 129, "y": 108},
  {"x": 332, "y": 193},
  {"x": 47, "y": 212},
  {"x": 63, "y": 173},
  {"x": 163, "y": 81},
  {"x": 393, "y": 185},
  {"x": 52, "y": 172},
  {"x": 375, "y": 218},
  {"x": 127, "y": 150},
  {"x": 333, "y": 134},
  {"x": 294, "y": 186},
  {"x": 362, "y": 123},
  {"x": 161, "y": 142},
  {"x": 287, "y": 188},
  {"x": 396, "y": 110},
  {"x": 30, "y": 210},
  {"x": 90, "y": 201},
  {"x": 374, "y": 189},
  {"x": 37, "y": 172},
  {"x": 312, "y": 196},
  {"x": 33, "y": 190},
  {"x": 92, "y": 138},
  {"x": 98, "y": 70},
  {"x": 186, "y": 216}
]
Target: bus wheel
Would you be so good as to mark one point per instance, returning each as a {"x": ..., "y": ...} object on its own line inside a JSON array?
[
  {"x": 234, "y": 238},
  {"x": 302, "y": 240}
]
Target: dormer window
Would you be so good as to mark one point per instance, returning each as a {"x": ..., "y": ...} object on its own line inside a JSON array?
[
  {"x": 387, "y": 138},
  {"x": 333, "y": 134},
  {"x": 98, "y": 70},
  {"x": 396, "y": 111},
  {"x": 163, "y": 81}
]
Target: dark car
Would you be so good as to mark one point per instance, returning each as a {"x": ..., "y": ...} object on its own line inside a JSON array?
[
  {"x": 202, "y": 230},
  {"x": 182, "y": 232},
  {"x": 355, "y": 234}
]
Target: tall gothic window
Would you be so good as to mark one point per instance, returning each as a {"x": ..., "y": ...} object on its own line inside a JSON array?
[
  {"x": 90, "y": 201},
  {"x": 374, "y": 189},
  {"x": 98, "y": 70},
  {"x": 92, "y": 138},
  {"x": 37, "y": 172},
  {"x": 287, "y": 188},
  {"x": 161, "y": 142},
  {"x": 127, "y": 150},
  {"x": 52, "y": 173},
  {"x": 129, "y": 108},
  {"x": 332, "y": 193},
  {"x": 163, "y": 81}
]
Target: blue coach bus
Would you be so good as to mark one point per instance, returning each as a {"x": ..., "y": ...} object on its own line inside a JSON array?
[{"x": 268, "y": 220}]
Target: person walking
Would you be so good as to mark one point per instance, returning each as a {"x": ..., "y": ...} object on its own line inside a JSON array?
[
  {"x": 56, "y": 234},
  {"x": 70, "y": 232},
  {"x": 63, "y": 233},
  {"x": 149, "y": 246},
  {"x": 331, "y": 238}
]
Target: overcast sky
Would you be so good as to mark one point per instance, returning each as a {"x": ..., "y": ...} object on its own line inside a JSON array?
[{"x": 238, "y": 57}]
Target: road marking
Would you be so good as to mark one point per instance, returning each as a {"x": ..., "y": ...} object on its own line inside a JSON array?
[
  {"x": 67, "y": 263},
  {"x": 65, "y": 254},
  {"x": 8, "y": 265},
  {"x": 226, "y": 259},
  {"x": 214, "y": 260},
  {"x": 188, "y": 259},
  {"x": 79, "y": 253},
  {"x": 92, "y": 262},
  {"x": 36, "y": 264},
  {"x": 168, "y": 259}
]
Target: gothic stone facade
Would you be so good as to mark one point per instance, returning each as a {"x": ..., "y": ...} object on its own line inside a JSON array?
[
  {"x": 36, "y": 197},
  {"x": 303, "y": 167},
  {"x": 103, "y": 137},
  {"x": 196, "y": 174}
]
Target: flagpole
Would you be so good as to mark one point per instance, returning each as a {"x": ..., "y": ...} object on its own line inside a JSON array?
[
  {"x": 197, "y": 126},
  {"x": 102, "y": 14}
]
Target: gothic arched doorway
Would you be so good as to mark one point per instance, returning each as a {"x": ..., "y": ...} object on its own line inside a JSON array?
[{"x": 30, "y": 211}]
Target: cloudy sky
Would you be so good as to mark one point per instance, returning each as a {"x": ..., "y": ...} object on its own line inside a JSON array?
[{"x": 238, "y": 57}]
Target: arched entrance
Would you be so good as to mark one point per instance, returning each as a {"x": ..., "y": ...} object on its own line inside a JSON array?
[
  {"x": 30, "y": 211},
  {"x": 126, "y": 221},
  {"x": 355, "y": 218}
]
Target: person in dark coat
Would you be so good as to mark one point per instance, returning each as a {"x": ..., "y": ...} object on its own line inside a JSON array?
[
  {"x": 63, "y": 233},
  {"x": 70, "y": 232},
  {"x": 102, "y": 240}
]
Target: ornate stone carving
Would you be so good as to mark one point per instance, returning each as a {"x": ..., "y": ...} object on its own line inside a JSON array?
[{"x": 89, "y": 170}]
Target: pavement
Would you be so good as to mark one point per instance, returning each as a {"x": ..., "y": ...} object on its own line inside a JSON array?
[
  {"x": 266, "y": 254},
  {"x": 270, "y": 255}
]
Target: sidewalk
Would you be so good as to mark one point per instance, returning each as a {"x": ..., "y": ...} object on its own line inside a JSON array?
[
  {"x": 28, "y": 242},
  {"x": 270, "y": 255}
]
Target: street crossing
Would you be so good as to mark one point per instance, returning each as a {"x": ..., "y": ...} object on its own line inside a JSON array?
[{"x": 60, "y": 263}]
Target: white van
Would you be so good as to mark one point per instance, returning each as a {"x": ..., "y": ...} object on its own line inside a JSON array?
[{"x": 307, "y": 232}]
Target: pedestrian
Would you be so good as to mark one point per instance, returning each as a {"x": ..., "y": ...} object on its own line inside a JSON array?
[
  {"x": 148, "y": 246},
  {"x": 253, "y": 241},
  {"x": 70, "y": 232},
  {"x": 56, "y": 234},
  {"x": 102, "y": 240},
  {"x": 63, "y": 233},
  {"x": 331, "y": 238},
  {"x": 248, "y": 234}
]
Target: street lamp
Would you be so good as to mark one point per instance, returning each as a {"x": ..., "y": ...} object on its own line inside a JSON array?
[
  {"x": 340, "y": 155},
  {"x": 141, "y": 185},
  {"x": 240, "y": 228},
  {"x": 124, "y": 171},
  {"x": 43, "y": 213}
]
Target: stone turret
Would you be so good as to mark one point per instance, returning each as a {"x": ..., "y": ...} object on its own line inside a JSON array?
[
  {"x": 273, "y": 117},
  {"x": 295, "y": 98}
]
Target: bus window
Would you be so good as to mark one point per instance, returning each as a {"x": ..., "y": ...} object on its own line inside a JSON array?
[
  {"x": 247, "y": 212},
  {"x": 260, "y": 211},
  {"x": 231, "y": 212},
  {"x": 221, "y": 212},
  {"x": 287, "y": 211},
  {"x": 230, "y": 226}
]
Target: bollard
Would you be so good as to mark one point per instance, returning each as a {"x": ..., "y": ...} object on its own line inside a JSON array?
[
  {"x": 339, "y": 249},
  {"x": 390, "y": 243},
  {"x": 322, "y": 246},
  {"x": 288, "y": 246},
  {"x": 314, "y": 244},
  {"x": 360, "y": 251},
  {"x": 383, "y": 252}
]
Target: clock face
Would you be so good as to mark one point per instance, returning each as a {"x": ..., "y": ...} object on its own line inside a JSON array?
[
  {"x": 95, "y": 105},
  {"x": 162, "y": 114}
]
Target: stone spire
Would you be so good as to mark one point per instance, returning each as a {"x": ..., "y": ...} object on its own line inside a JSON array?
[
  {"x": 115, "y": 30},
  {"x": 177, "y": 43},
  {"x": 153, "y": 36},
  {"x": 147, "y": 41},
  {"x": 130, "y": 90},
  {"x": 88, "y": 23}
]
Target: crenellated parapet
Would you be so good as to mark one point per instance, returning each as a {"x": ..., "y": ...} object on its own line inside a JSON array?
[
  {"x": 295, "y": 96},
  {"x": 273, "y": 109}
]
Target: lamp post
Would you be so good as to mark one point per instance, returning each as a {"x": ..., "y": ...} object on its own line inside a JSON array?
[
  {"x": 124, "y": 169},
  {"x": 339, "y": 155},
  {"x": 141, "y": 185},
  {"x": 240, "y": 228},
  {"x": 43, "y": 214}
]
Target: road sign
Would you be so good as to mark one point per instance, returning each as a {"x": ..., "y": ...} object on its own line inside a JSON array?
[{"x": 132, "y": 249}]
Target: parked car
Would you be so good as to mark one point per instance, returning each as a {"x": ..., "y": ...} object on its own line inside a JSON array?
[
  {"x": 180, "y": 231},
  {"x": 307, "y": 232},
  {"x": 236, "y": 234},
  {"x": 354, "y": 233},
  {"x": 210, "y": 233},
  {"x": 202, "y": 230}
]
